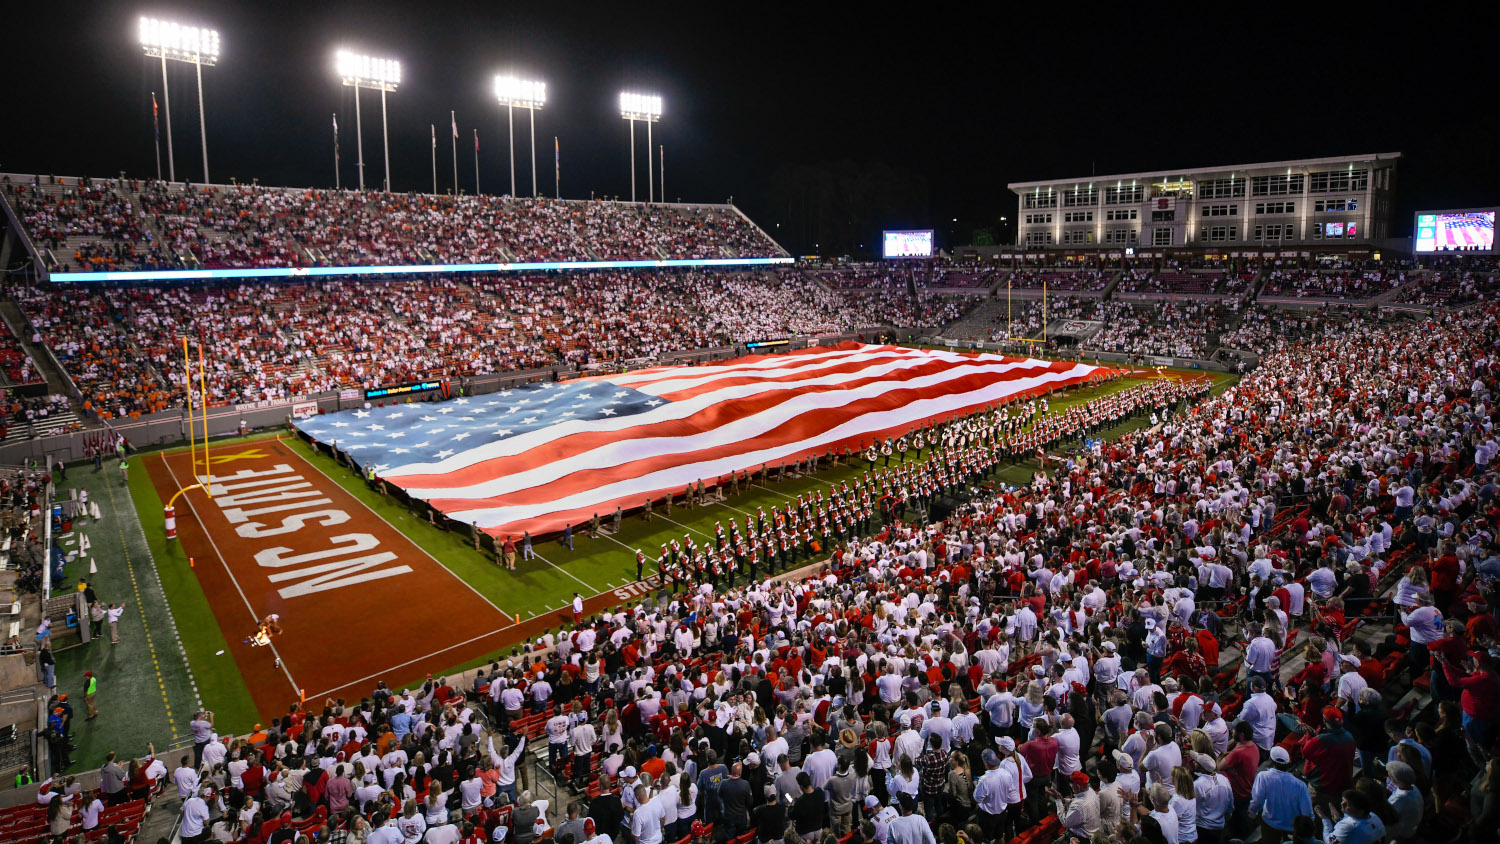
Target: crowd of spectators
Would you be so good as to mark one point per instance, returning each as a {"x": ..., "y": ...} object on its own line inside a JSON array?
[
  {"x": 102, "y": 228},
  {"x": 1354, "y": 280},
  {"x": 1025, "y": 317},
  {"x": 1270, "y": 612},
  {"x": 1452, "y": 286},
  {"x": 122, "y": 345},
  {"x": 133, "y": 224},
  {"x": 1061, "y": 279},
  {"x": 1166, "y": 328}
]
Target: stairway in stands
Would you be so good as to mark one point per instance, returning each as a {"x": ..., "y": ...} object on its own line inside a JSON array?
[{"x": 57, "y": 382}]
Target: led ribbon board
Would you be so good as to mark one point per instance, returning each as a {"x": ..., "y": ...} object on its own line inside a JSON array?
[
  {"x": 403, "y": 389},
  {"x": 408, "y": 269}
]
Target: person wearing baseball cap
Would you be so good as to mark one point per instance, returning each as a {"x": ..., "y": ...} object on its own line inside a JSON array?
[
  {"x": 1278, "y": 797},
  {"x": 1080, "y": 815},
  {"x": 1329, "y": 758}
]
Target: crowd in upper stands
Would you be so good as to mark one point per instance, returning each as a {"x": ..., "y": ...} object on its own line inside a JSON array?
[
  {"x": 100, "y": 224},
  {"x": 1333, "y": 279}
]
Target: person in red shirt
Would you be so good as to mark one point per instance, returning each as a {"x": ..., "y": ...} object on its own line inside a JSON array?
[
  {"x": 1444, "y": 580},
  {"x": 1041, "y": 755},
  {"x": 1482, "y": 629},
  {"x": 1239, "y": 766},
  {"x": 1479, "y": 695},
  {"x": 1329, "y": 758}
]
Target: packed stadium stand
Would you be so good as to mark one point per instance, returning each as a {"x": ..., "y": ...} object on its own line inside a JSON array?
[
  {"x": 1333, "y": 279},
  {"x": 112, "y": 224}
]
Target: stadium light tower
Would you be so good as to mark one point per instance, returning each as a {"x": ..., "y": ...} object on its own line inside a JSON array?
[
  {"x": 516, "y": 93},
  {"x": 646, "y": 107},
  {"x": 382, "y": 75},
  {"x": 198, "y": 45}
]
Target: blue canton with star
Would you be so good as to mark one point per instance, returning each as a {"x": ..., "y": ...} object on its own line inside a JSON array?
[{"x": 426, "y": 432}]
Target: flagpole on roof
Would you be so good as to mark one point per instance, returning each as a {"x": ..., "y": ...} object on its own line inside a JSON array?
[
  {"x": 453, "y": 119},
  {"x": 433, "y": 127}
]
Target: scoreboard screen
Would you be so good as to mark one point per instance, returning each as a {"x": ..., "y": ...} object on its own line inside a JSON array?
[
  {"x": 1455, "y": 231},
  {"x": 907, "y": 244}
]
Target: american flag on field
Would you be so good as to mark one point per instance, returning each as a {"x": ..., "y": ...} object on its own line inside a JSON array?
[{"x": 543, "y": 457}]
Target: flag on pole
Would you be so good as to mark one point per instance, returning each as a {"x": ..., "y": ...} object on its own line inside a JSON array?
[
  {"x": 476, "y": 140},
  {"x": 556, "y": 162},
  {"x": 454, "y": 118},
  {"x": 434, "y": 135},
  {"x": 335, "y": 134},
  {"x": 155, "y": 123}
]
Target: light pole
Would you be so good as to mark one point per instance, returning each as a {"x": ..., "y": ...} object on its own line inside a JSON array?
[
  {"x": 516, "y": 93},
  {"x": 167, "y": 40},
  {"x": 646, "y": 107},
  {"x": 383, "y": 75}
]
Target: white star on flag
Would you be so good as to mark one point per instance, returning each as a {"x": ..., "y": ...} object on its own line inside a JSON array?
[
  {"x": 377, "y": 427},
  {"x": 429, "y": 418},
  {"x": 503, "y": 394},
  {"x": 463, "y": 436},
  {"x": 654, "y": 402},
  {"x": 528, "y": 420},
  {"x": 608, "y": 411},
  {"x": 460, "y": 401},
  {"x": 445, "y": 453},
  {"x": 341, "y": 424},
  {"x": 400, "y": 451},
  {"x": 446, "y": 409},
  {"x": 361, "y": 414}
]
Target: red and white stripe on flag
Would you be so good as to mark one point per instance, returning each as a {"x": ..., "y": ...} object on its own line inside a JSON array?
[{"x": 714, "y": 420}]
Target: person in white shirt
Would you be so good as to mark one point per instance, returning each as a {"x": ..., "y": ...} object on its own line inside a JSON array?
[
  {"x": 195, "y": 816},
  {"x": 1259, "y": 712},
  {"x": 648, "y": 819},
  {"x": 1214, "y": 795},
  {"x": 1068, "y": 748},
  {"x": 186, "y": 778}
]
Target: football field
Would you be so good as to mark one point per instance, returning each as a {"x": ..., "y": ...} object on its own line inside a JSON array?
[{"x": 367, "y": 590}]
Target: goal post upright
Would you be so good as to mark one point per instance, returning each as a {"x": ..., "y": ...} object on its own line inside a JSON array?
[{"x": 199, "y": 481}]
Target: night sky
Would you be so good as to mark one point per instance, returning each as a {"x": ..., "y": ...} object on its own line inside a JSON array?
[{"x": 949, "y": 102}]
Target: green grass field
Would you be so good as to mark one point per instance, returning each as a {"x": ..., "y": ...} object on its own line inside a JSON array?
[{"x": 594, "y": 566}]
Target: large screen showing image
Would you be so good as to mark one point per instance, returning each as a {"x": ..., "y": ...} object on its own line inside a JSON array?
[{"x": 1455, "y": 231}]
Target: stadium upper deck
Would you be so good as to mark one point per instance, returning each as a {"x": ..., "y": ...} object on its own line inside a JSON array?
[{"x": 81, "y": 228}]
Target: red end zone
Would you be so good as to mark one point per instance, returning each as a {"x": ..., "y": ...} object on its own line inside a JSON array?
[{"x": 358, "y": 601}]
